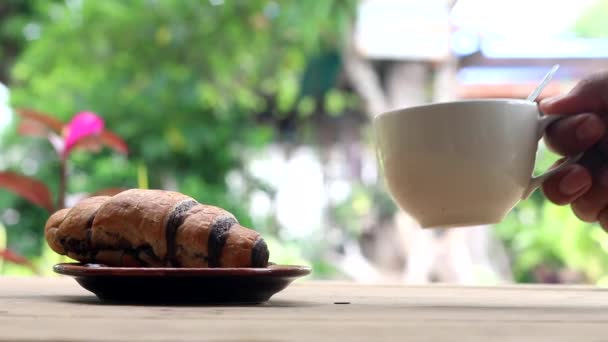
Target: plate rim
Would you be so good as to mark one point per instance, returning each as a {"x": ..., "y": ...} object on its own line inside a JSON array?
[{"x": 77, "y": 269}]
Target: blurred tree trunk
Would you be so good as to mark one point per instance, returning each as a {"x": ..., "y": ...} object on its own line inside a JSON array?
[{"x": 455, "y": 255}]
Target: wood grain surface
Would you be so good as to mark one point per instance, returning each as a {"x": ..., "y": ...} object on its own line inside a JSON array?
[{"x": 57, "y": 309}]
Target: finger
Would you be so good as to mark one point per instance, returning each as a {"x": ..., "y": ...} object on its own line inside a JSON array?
[
  {"x": 567, "y": 185},
  {"x": 603, "y": 144},
  {"x": 589, "y": 95},
  {"x": 594, "y": 158},
  {"x": 575, "y": 134},
  {"x": 588, "y": 206}
]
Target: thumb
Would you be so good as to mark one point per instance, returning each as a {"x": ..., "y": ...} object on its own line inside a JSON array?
[
  {"x": 561, "y": 104},
  {"x": 589, "y": 95},
  {"x": 572, "y": 103}
]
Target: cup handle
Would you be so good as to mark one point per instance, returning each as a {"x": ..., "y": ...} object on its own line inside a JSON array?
[{"x": 543, "y": 122}]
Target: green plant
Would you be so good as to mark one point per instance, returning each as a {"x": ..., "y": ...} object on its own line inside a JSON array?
[
  {"x": 85, "y": 131},
  {"x": 542, "y": 235},
  {"x": 592, "y": 23},
  {"x": 192, "y": 87}
]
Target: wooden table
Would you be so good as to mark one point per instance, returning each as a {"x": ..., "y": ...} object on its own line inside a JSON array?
[{"x": 57, "y": 309}]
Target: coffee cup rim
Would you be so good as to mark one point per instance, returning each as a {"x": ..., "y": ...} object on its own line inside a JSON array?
[{"x": 463, "y": 101}]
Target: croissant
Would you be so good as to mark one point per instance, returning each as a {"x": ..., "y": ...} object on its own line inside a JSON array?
[{"x": 153, "y": 228}]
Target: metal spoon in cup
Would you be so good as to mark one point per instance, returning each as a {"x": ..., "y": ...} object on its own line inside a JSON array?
[
  {"x": 543, "y": 83},
  {"x": 545, "y": 121}
]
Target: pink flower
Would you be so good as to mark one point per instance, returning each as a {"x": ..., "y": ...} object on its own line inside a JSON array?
[{"x": 82, "y": 126}]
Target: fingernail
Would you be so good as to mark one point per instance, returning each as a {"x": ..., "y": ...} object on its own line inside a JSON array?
[
  {"x": 571, "y": 183},
  {"x": 550, "y": 100},
  {"x": 588, "y": 130},
  {"x": 546, "y": 101}
]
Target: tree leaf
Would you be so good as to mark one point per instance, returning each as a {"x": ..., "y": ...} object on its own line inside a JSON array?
[
  {"x": 94, "y": 143},
  {"x": 16, "y": 258},
  {"x": 114, "y": 141},
  {"x": 31, "y": 189},
  {"x": 90, "y": 143},
  {"x": 38, "y": 124}
]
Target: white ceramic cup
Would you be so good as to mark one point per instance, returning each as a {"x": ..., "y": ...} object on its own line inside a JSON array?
[{"x": 461, "y": 163}]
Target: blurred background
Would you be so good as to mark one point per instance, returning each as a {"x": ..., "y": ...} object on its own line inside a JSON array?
[{"x": 263, "y": 107}]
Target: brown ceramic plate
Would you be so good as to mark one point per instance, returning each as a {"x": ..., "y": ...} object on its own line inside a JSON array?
[{"x": 183, "y": 285}]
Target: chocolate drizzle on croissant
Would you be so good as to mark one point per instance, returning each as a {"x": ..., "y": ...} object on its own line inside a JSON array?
[
  {"x": 154, "y": 228},
  {"x": 217, "y": 238},
  {"x": 175, "y": 220},
  {"x": 259, "y": 252}
]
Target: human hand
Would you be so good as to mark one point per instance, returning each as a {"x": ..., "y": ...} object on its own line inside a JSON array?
[{"x": 584, "y": 185}]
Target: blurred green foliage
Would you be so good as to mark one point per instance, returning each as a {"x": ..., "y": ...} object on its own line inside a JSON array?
[
  {"x": 539, "y": 233},
  {"x": 593, "y": 24},
  {"x": 186, "y": 83},
  {"x": 15, "y": 15},
  {"x": 193, "y": 88}
]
